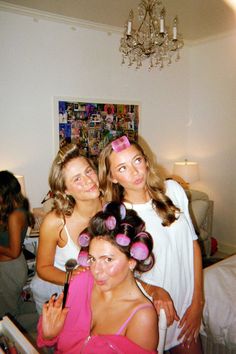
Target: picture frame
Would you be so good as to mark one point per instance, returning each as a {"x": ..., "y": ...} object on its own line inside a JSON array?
[{"x": 92, "y": 123}]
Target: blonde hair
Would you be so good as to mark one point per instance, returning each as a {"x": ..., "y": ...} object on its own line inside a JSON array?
[
  {"x": 155, "y": 185},
  {"x": 63, "y": 204}
]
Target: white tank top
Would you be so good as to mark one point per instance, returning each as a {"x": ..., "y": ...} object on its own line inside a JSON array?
[{"x": 70, "y": 250}]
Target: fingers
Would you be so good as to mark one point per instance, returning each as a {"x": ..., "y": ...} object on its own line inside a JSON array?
[
  {"x": 171, "y": 314},
  {"x": 79, "y": 270},
  {"x": 54, "y": 301},
  {"x": 196, "y": 334}
]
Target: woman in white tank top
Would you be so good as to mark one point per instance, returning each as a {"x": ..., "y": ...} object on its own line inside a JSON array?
[{"x": 74, "y": 184}]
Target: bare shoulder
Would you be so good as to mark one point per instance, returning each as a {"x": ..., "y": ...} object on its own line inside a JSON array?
[
  {"x": 52, "y": 224},
  {"x": 147, "y": 314},
  {"x": 51, "y": 219},
  {"x": 17, "y": 216},
  {"x": 146, "y": 334}
]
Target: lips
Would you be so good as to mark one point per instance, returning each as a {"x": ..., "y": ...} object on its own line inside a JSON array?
[
  {"x": 138, "y": 180},
  {"x": 100, "y": 282},
  {"x": 93, "y": 188}
]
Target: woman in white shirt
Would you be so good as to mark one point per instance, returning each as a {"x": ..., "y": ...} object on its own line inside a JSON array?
[{"x": 125, "y": 174}]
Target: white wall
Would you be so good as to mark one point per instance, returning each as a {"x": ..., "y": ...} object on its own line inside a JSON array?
[
  {"x": 42, "y": 59},
  {"x": 211, "y": 134}
]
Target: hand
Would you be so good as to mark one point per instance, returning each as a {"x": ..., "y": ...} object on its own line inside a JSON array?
[
  {"x": 53, "y": 317},
  {"x": 162, "y": 299},
  {"x": 190, "y": 323},
  {"x": 79, "y": 270}
]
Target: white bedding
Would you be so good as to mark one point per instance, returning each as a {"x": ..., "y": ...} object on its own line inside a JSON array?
[{"x": 219, "y": 315}]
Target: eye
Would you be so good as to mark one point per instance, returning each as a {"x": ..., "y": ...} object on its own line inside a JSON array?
[
  {"x": 138, "y": 160},
  {"x": 77, "y": 179},
  {"x": 89, "y": 171},
  {"x": 91, "y": 260},
  {"x": 122, "y": 169},
  {"x": 108, "y": 259}
]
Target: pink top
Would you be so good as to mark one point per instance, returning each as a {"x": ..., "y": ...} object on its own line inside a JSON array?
[{"x": 75, "y": 337}]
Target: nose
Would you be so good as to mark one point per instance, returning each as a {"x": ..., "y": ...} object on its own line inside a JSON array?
[
  {"x": 134, "y": 169},
  {"x": 97, "y": 268},
  {"x": 87, "y": 180}
]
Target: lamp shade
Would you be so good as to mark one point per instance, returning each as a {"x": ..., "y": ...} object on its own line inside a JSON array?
[
  {"x": 21, "y": 180},
  {"x": 187, "y": 170}
]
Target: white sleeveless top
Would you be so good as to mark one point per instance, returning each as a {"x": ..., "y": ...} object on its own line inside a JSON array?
[{"x": 70, "y": 250}]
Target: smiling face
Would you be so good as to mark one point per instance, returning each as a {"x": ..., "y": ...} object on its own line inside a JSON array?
[
  {"x": 129, "y": 168},
  {"x": 81, "y": 180},
  {"x": 109, "y": 266}
]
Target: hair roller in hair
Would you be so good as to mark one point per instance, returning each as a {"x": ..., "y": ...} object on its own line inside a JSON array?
[
  {"x": 83, "y": 239},
  {"x": 139, "y": 251},
  {"x": 120, "y": 144},
  {"x": 143, "y": 234},
  {"x": 110, "y": 222},
  {"x": 122, "y": 211},
  {"x": 82, "y": 259},
  {"x": 122, "y": 240}
]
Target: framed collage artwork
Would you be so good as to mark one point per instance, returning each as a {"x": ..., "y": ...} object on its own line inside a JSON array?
[{"x": 91, "y": 125}]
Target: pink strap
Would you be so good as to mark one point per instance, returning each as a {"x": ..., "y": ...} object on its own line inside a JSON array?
[{"x": 132, "y": 314}]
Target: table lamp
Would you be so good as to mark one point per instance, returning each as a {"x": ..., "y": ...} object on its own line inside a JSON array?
[
  {"x": 187, "y": 170},
  {"x": 21, "y": 180}
]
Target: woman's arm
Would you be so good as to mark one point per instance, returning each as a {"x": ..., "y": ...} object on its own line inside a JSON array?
[
  {"x": 48, "y": 240},
  {"x": 161, "y": 299},
  {"x": 16, "y": 224},
  {"x": 191, "y": 320}
]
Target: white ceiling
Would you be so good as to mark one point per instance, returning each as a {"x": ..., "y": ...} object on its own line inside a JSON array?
[{"x": 198, "y": 19}]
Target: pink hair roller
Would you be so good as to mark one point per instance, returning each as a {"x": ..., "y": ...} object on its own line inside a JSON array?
[
  {"x": 82, "y": 259},
  {"x": 122, "y": 240},
  {"x": 83, "y": 239},
  {"x": 139, "y": 251},
  {"x": 110, "y": 222},
  {"x": 120, "y": 144}
]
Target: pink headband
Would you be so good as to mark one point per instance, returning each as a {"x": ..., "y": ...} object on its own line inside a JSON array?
[{"x": 120, "y": 144}]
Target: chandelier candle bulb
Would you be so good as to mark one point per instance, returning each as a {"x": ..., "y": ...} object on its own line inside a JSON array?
[
  {"x": 129, "y": 27},
  {"x": 175, "y": 29},
  {"x": 162, "y": 21}
]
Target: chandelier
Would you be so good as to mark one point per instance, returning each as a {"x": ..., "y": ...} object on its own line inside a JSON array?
[{"x": 152, "y": 39}]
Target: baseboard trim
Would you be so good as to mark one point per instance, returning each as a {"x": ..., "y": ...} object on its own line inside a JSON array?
[{"x": 226, "y": 248}]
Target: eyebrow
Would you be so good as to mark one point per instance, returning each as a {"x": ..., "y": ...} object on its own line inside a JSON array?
[
  {"x": 133, "y": 158},
  {"x": 104, "y": 256}
]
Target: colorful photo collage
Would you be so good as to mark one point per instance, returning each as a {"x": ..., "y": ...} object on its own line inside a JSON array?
[{"x": 92, "y": 125}]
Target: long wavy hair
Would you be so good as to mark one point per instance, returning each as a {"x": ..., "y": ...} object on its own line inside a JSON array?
[
  {"x": 11, "y": 198},
  {"x": 155, "y": 186},
  {"x": 62, "y": 203}
]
